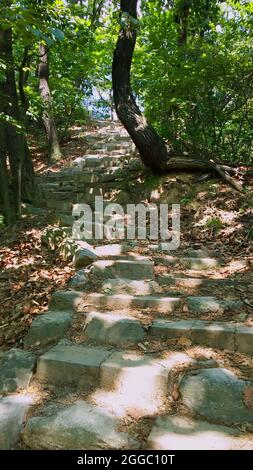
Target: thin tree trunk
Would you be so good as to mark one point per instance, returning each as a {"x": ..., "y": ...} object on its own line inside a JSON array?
[
  {"x": 22, "y": 81},
  {"x": 54, "y": 152},
  {"x": 14, "y": 131},
  {"x": 5, "y": 191},
  {"x": 152, "y": 148}
]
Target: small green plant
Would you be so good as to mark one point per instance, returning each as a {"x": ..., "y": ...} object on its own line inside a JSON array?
[
  {"x": 185, "y": 199},
  {"x": 2, "y": 223},
  {"x": 214, "y": 223}
]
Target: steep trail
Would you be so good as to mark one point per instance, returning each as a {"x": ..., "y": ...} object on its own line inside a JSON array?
[{"x": 143, "y": 349}]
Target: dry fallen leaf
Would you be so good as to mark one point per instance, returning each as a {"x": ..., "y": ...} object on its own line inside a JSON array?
[
  {"x": 175, "y": 392},
  {"x": 185, "y": 342},
  {"x": 248, "y": 396}
]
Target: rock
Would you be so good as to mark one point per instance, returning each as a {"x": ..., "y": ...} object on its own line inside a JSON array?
[
  {"x": 78, "y": 427},
  {"x": 177, "y": 432},
  {"x": 129, "y": 302},
  {"x": 210, "y": 304},
  {"x": 71, "y": 364},
  {"x": 16, "y": 369},
  {"x": 47, "y": 328},
  {"x": 138, "y": 382},
  {"x": 214, "y": 334},
  {"x": 135, "y": 270},
  {"x": 113, "y": 328},
  {"x": 216, "y": 394},
  {"x": 67, "y": 300},
  {"x": 171, "y": 329},
  {"x": 83, "y": 257},
  {"x": 79, "y": 280},
  {"x": 244, "y": 339},
  {"x": 13, "y": 411}
]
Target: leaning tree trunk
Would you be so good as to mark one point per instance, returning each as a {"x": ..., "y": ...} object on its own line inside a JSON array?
[
  {"x": 54, "y": 152},
  {"x": 152, "y": 148}
]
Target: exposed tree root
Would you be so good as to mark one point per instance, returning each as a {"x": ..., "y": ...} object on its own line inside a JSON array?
[{"x": 152, "y": 149}]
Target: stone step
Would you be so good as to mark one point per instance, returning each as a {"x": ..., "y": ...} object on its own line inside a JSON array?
[
  {"x": 104, "y": 152},
  {"x": 131, "y": 287},
  {"x": 178, "y": 432},
  {"x": 219, "y": 335},
  {"x": 115, "y": 328},
  {"x": 14, "y": 410},
  {"x": 94, "y": 161},
  {"x": 217, "y": 394},
  {"x": 79, "y": 426},
  {"x": 16, "y": 370},
  {"x": 47, "y": 328},
  {"x": 78, "y": 301},
  {"x": 112, "y": 145},
  {"x": 140, "y": 269},
  {"x": 133, "y": 383},
  {"x": 194, "y": 263},
  {"x": 128, "y": 302},
  {"x": 194, "y": 282},
  {"x": 71, "y": 364}
]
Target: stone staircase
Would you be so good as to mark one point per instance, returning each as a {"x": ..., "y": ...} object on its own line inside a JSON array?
[{"x": 139, "y": 355}]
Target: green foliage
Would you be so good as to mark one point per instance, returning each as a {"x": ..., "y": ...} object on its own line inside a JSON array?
[
  {"x": 200, "y": 91},
  {"x": 2, "y": 222},
  {"x": 192, "y": 70},
  {"x": 214, "y": 223}
]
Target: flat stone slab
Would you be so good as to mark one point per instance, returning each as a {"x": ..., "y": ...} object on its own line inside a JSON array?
[
  {"x": 113, "y": 328},
  {"x": 141, "y": 269},
  {"x": 199, "y": 263},
  {"x": 77, "y": 427},
  {"x": 214, "y": 335},
  {"x": 71, "y": 364},
  {"x": 177, "y": 432},
  {"x": 171, "y": 329},
  {"x": 84, "y": 256},
  {"x": 112, "y": 250},
  {"x": 216, "y": 394},
  {"x": 210, "y": 304},
  {"x": 67, "y": 300},
  {"x": 13, "y": 411},
  {"x": 138, "y": 382},
  {"x": 128, "y": 286},
  {"x": 117, "y": 301},
  {"x": 244, "y": 339},
  {"x": 16, "y": 369},
  {"x": 193, "y": 282},
  {"x": 193, "y": 263},
  {"x": 47, "y": 328}
]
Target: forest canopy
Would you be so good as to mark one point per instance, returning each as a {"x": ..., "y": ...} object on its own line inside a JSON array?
[{"x": 191, "y": 75}]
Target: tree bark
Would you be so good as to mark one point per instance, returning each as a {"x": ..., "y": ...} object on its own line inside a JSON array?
[
  {"x": 14, "y": 129},
  {"x": 22, "y": 81},
  {"x": 152, "y": 148},
  {"x": 54, "y": 152}
]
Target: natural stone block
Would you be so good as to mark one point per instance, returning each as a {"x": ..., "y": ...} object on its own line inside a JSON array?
[
  {"x": 13, "y": 411},
  {"x": 16, "y": 369},
  {"x": 77, "y": 427},
  {"x": 71, "y": 364},
  {"x": 47, "y": 328},
  {"x": 216, "y": 394},
  {"x": 113, "y": 328}
]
